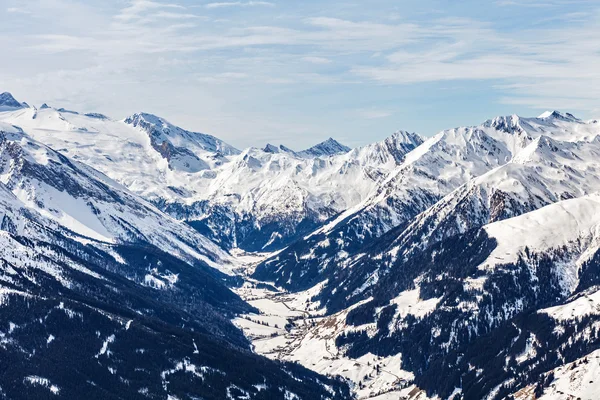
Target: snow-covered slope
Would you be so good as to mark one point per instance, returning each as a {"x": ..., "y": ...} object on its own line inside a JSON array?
[
  {"x": 275, "y": 196},
  {"x": 104, "y": 296},
  {"x": 545, "y": 172},
  {"x": 329, "y": 147},
  {"x": 90, "y": 204},
  {"x": 465, "y": 265},
  {"x": 144, "y": 152},
  {"x": 575, "y": 380},
  {"x": 183, "y": 150},
  {"x": 521, "y": 292},
  {"x": 511, "y": 228}
]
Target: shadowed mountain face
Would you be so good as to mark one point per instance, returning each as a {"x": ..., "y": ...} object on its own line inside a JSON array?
[
  {"x": 7, "y": 100},
  {"x": 79, "y": 323},
  {"x": 330, "y": 147}
]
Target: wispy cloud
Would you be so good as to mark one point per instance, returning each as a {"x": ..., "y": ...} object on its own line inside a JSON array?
[
  {"x": 17, "y": 10},
  {"x": 239, "y": 4},
  {"x": 138, "y": 8},
  {"x": 317, "y": 60}
]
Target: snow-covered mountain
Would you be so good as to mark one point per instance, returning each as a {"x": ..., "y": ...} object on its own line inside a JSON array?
[
  {"x": 479, "y": 163},
  {"x": 183, "y": 150},
  {"x": 329, "y": 147},
  {"x": 482, "y": 314},
  {"x": 90, "y": 204},
  {"x": 463, "y": 266},
  {"x": 255, "y": 199}
]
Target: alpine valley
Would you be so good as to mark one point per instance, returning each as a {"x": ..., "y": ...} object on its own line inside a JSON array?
[{"x": 140, "y": 260}]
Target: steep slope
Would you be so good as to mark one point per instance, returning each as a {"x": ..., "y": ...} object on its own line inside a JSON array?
[
  {"x": 183, "y": 150},
  {"x": 486, "y": 287},
  {"x": 447, "y": 291},
  {"x": 429, "y": 172},
  {"x": 543, "y": 173},
  {"x": 82, "y": 322},
  {"x": 90, "y": 204},
  {"x": 7, "y": 102},
  {"x": 147, "y": 154},
  {"x": 577, "y": 379}
]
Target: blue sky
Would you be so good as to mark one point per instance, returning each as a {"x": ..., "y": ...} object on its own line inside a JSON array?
[{"x": 292, "y": 72}]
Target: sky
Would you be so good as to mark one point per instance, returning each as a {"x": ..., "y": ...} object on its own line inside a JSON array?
[{"x": 298, "y": 72}]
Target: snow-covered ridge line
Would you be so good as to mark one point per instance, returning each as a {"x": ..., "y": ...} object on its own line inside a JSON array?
[
  {"x": 252, "y": 199},
  {"x": 545, "y": 229}
]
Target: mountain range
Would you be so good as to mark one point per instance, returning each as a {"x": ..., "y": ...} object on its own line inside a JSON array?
[{"x": 148, "y": 261}]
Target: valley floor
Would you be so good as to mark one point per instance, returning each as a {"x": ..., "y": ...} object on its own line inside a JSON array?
[{"x": 291, "y": 327}]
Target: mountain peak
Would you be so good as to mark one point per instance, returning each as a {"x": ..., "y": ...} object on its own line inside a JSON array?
[
  {"x": 407, "y": 137},
  {"x": 137, "y": 118},
  {"x": 558, "y": 115},
  {"x": 329, "y": 147},
  {"x": 7, "y": 100},
  {"x": 270, "y": 148},
  {"x": 44, "y": 106},
  {"x": 162, "y": 131}
]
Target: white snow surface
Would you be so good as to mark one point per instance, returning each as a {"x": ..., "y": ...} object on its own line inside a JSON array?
[
  {"x": 588, "y": 304},
  {"x": 314, "y": 346},
  {"x": 265, "y": 184},
  {"x": 576, "y": 380},
  {"x": 562, "y": 223}
]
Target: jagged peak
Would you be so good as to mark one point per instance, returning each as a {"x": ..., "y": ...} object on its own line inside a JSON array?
[
  {"x": 558, "y": 115},
  {"x": 162, "y": 130},
  {"x": 331, "y": 140},
  {"x": 270, "y": 148},
  {"x": 542, "y": 147},
  {"x": 506, "y": 123},
  {"x": 136, "y": 118},
  {"x": 329, "y": 147},
  {"x": 44, "y": 106},
  {"x": 7, "y": 100},
  {"x": 407, "y": 137}
]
